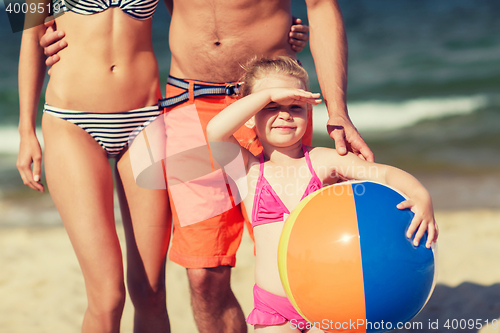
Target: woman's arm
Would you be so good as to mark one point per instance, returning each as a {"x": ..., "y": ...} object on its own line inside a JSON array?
[
  {"x": 31, "y": 75},
  {"x": 352, "y": 167}
]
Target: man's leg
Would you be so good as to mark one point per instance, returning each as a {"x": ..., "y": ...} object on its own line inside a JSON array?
[
  {"x": 214, "y": 305},
  {"x": 206, "y": 245}
]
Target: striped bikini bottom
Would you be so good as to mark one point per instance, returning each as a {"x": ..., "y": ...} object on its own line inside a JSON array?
[{"x": 113, "y": 131}]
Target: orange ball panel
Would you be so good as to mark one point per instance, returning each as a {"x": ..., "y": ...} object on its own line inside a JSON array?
[{"x": 333, "y": 259}]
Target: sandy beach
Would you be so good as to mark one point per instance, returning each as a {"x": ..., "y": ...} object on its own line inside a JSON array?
[
  {"x": 423, "y": 91},
  {"x": 41, "y": 287}
]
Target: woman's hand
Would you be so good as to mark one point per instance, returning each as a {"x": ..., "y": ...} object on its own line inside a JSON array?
[
  {"x": 422, "y": 221},
  {"x": 30, "y": 153}
]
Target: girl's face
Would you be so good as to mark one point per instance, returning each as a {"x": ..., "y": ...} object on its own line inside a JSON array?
[{"x": 280, "y": 125}]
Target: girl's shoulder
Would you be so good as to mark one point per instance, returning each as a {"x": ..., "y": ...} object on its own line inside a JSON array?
[
  {"x": 329, "y": 158},
  {"x": 320, "y": 150},
  {"x": 324, "y": 162},
  {"x": 321, "y": 153}
]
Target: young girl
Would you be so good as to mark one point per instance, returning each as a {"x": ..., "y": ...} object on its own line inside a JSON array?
[{"x": 275, "y": 103}]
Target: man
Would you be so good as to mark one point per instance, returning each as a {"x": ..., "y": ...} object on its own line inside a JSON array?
[{"x": 209, "y": 41}]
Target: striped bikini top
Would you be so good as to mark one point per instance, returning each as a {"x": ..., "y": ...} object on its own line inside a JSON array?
[
  {"x": 137, "y": 9},
  {"x": 267, "y": 205}
]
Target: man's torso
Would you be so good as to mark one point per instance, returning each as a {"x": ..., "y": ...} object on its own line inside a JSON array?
[{"x": 211, "y": 40}]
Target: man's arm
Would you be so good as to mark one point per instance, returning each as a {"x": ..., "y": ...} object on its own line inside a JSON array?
[
  {"x": 329, "y": 49},
  {"x": 52, "y": 42},
  {"x": 299, "y": 35}
]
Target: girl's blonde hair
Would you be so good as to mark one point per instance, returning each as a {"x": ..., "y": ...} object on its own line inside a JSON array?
[{"x": 257, "y": 69}]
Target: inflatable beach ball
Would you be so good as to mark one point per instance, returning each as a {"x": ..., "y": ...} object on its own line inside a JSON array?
[{"x": 346, "y": 264}]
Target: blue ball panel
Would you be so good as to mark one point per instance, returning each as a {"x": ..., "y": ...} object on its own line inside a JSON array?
[{"x": 397, "y": 276}]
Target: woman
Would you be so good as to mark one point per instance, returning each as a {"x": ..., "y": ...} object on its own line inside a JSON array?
[
  {"x": 106, "y": 84},
  {"x": 98, "y": 80}
]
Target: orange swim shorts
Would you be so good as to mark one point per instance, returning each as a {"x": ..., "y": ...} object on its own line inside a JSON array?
[{"x": 202, "y": 242}]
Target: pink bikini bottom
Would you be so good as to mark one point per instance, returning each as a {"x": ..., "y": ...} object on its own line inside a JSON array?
[{"x": 271, "y": 309}]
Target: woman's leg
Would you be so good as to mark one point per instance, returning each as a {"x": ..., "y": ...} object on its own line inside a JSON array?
[
  {"x": 147, "y": 221},
  {"x": 80, "y": 182}
]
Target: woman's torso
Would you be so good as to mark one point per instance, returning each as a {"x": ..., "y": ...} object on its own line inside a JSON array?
[{"x": 108, "y": 66}]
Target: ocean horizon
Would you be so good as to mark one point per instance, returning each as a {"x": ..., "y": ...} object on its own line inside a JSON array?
[{"x": 423, "y": 90}]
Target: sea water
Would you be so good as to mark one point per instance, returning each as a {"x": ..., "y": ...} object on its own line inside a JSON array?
[{"x": 423, "y": 90}]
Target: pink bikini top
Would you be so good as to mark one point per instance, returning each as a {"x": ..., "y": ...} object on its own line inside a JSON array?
[{"x": 267, "y": 205}]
